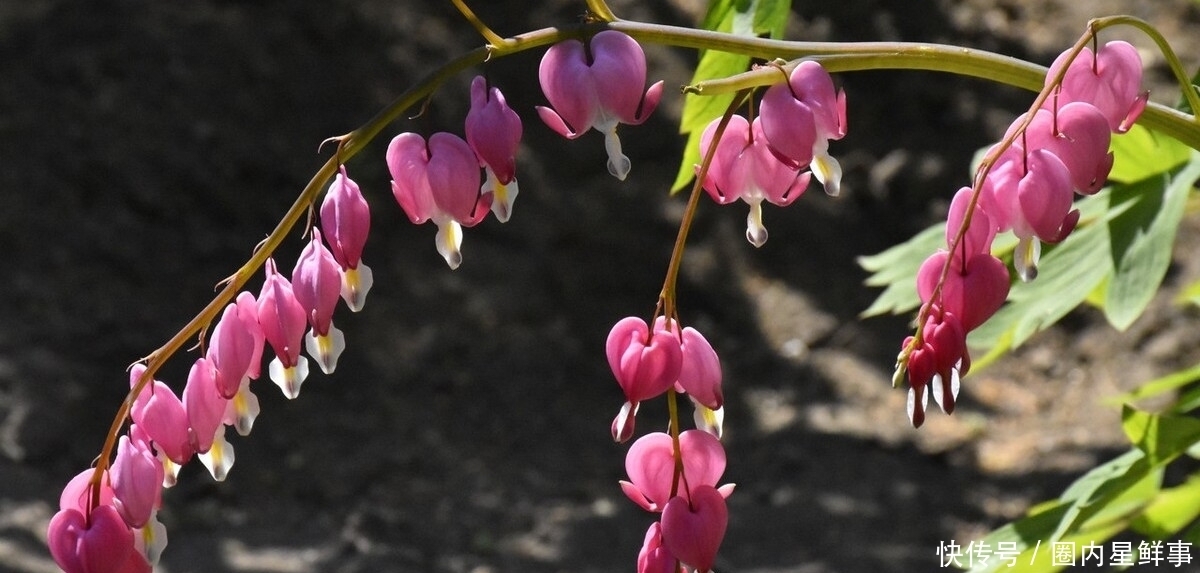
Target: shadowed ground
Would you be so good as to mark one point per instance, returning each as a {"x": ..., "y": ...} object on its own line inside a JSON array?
[{"x": 148, "y": 147}]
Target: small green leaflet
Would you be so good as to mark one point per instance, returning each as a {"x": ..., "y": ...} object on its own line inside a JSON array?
[{"x": 741, "y": 17}]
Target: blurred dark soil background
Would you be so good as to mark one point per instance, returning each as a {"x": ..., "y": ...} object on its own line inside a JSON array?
[{"x": 147, "y": 146}]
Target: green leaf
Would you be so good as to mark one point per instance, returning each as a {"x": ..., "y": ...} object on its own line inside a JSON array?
[
  {"x": 1142, "y": 153},
  {"x": 740, "y": 17},
  {"x": 1096, "y": 507},
  {"x": 1168, "y": 383},
  {"x": 896, "y": 270},
  {"x": 1073, "y": 268},
  {"x": 1171, "y": 510},
  {"x": 1161, "y": 437},
  {"x": 1142, "y": 237}
]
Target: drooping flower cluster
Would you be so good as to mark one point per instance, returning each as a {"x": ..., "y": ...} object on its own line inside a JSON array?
[
  {"x": 108, "y": 522},
  {"x": 647, "y": 363},
  {"x": 773, "y": 157},
  {"x": 1029, "y": 190}
]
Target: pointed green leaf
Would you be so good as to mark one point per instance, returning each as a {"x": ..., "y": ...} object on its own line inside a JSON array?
[
  {"x": 1161, "y": 437},
  {"x": 1171, "y": 510},
  {"x": 1142, "y": 238}
]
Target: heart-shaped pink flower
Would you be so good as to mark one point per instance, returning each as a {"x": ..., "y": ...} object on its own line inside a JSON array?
[
  {"x": 693, "y": 531},
  {"x": 973, "y": 292},
  {"x": 101, "y": 544},
  {"x": 644, "y": 366},
  {"x": 650, "y": 465}
]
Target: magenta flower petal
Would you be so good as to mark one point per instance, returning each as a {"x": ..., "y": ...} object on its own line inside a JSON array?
[
  {"x": 345, "y": 220},
  {"x": 204, "y": 404},
  {"x": 700, "y": 372},
  {"x": 233, "y": 348},
  {"x": 653, "y": 557},
  {"x": 650, "y": 465},
  {"x": 317, "y": 283},
  {"x": 137, "y": 481},
  {"x": 97, "y": 543},
  {"x": 493, "y": 130},
  {"x": 644, "y": 366},
  {"x": 692, "y": 529},
  {"x": 160, "y": 413}
]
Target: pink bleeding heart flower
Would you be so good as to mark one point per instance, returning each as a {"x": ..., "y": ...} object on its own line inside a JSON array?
[
  {"x": 1031, "y": 191},
  {"x": 282, "y": 319},
  {"x": 693, "y": 528},
  {"x": 346, "y": 220},
  {"x": 317, "y": 286},
  {"x": 1078, "y": 134},
  {"x": 98, "y": 542},
  {"x": 494, "y": 131},
  {"x": 236, "y": 346},
  {"x": 204, "y": 404},
  {"x": 1110, "y": 79},
  {"x": 937, "y": 364},
  {"x": 653, "y": 557},
  {"x": 597, "y": 86},
  {"x": 799, "y": 118},
  {"x": 974, "y": 289},
  {"x": 700, "y": 369},
  {"x": 438, "y": 181},
  {"x": 743, "y": 167},
  {"x": 645, "y": 365},
  {"x": 650, "y": 464},
  {"x": 137, "y": 481},
  {"x": 161, "y": 415}
]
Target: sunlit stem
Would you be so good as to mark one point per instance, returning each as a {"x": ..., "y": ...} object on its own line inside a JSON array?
[
  {"x": 599, "y": 9},
  {"x": 492, "y": 38},
  {"x": 666, "y": 299}
]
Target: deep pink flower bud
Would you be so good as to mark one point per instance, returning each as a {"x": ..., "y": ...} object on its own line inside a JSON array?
[
  {"x": 204, "y": 404},
  {"x": 494, "y": 132},
  {"x": 438, "y": 181},
  {"x": 1079, "y": 136},
  {"x": 743, "y": 167},
  {"x": 653, "y": 557},
  {"x": 597, "y": 86},
  {"x": 137, "y": 482},
  {"x": 97, "y": 543},
  {"x": 236, "y": 345},
  {"x": 346, "y": 220},
  {"x": 623, "y": 424},
  {"x": 283, "y": 320},
  {"x": 644, "y": 366},
  {"x": 161, "y": 415},
  {"x": 650, "y": 464},
  {"x": 801, "y": 116},
  {"x": 693, "y": 527},
  {"x": 317, "y": 286},
  {"x": 1109, "y": 79}
]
